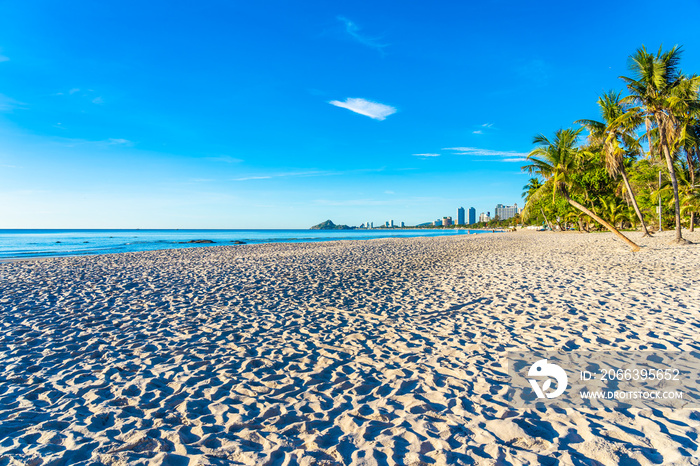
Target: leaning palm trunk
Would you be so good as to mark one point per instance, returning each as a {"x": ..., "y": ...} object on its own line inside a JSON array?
[
  {"x": 623, "y": 172},
  {"x": 590, "y": 213},
  {"x": 549, "y": 224},
  {"x": 692, "y": 221}
]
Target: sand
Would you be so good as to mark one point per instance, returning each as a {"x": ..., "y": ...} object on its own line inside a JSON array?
[{"x": 387, "y": 351}]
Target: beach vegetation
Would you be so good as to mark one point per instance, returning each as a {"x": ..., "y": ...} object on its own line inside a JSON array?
[{"x": 608, "y": 180}]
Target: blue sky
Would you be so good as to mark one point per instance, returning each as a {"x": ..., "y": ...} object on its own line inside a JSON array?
[{"x": 284, "y": 114}]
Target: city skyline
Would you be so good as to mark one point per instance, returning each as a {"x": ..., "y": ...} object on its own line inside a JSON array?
[{"x": 463, "y": 217}]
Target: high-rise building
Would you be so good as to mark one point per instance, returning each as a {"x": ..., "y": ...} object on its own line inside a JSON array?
[
  {"x": 391, "y": 223},
  {"x": 446, "y": 221},
  {"x": 485, "y": 217},
  {"x": 403, "y": 225},
  {"x": 472, "y": 215},
  {"x": 504, "y": 212},
  {"x": 460, "y": 216}
]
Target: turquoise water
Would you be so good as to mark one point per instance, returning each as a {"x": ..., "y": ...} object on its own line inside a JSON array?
[{"x": 46, "y": 243}]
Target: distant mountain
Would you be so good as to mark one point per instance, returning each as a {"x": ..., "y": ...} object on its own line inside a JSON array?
[{"x": 328, "y": 225}]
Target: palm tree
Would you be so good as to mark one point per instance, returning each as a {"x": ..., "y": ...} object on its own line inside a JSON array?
[
  {"x": 618, "y": 142},
  {"x": 663, "y": 94},
  {"x": 557, "y": 162}
]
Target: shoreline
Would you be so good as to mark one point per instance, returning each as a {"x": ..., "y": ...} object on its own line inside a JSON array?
[
  {"x": 231, "y": 243},
  {"x": 390, "y": 350}
]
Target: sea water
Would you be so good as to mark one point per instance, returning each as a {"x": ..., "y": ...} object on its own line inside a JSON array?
[{"x": 16, "y": 244}]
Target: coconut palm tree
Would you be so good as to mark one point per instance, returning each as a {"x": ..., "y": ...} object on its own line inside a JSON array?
[
  {"x": 663, "y": 95},
  {"x": 557, "y": 162},
  {"x": 618, "y": 142}
]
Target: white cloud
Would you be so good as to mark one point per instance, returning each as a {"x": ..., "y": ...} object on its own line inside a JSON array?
[
  {"x": 487, "y": 125},
  {"x": 426, "y": 155},
  {"x": 354, "y": 31},
  {"x": 364, "y": 107},
  {"x": 74, "y": 90},
  {"x": 119, "y": 142},
  {"x": 283, "y": 175},
  {"x": 515, "y": 159},
  {"x": 98, "y": 101},
  {"x": 477, "y": 132},
  {"x": 389, "y": 192},
  {"x": 309, "y": 174},
  {"x": 475, "y": 151},
  {"x": 247, "y": 178},
  {"x": 8, "y": 104},
  {"x": 224, "y": 158}
]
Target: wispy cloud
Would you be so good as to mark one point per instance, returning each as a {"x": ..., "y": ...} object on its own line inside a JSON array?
[
  {"x": 310, "y": 173},
  {"x": 354, "y": 31},
  {"x": 7, "y": 104},
  {"x": 73, "y": 142},
  {"x": 119, "y": 142},
  {"x": 482, "y": 128},
  {"x": 224, "y": 159},
  {"x": 248, "y": 178},
  {"x": 365, "y": 107},
  {"x": 478, "y": 152},
  {"x": 426, "y": 155},
  {"x": 98, "y": 101},
  {"x": 73, "y": 91},
  {"x": 515, "y": 159}
]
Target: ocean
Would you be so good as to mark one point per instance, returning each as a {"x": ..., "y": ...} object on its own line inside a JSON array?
[{"x": 16, "y": 244}]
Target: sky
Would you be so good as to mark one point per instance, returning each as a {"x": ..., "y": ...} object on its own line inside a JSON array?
[{"x": 282, "y": 114}]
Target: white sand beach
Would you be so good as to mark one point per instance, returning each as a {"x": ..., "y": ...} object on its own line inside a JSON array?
[{"x": 380, "y": 352}]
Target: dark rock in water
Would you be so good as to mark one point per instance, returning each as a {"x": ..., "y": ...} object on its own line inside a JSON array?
[
  {"x": 238, "y": 242},
  {"x": 197, "y": 241},
  {"x": 58, "y": 242},
  {"x": 86, "y": 242}
]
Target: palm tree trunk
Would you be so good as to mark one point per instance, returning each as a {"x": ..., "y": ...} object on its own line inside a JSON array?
[
  {"x": 549, "y": 224},
  {"x": 588, "y": 212},
  {"x": 691, "y": 169},
  {"x": 623, "y": 172},
  {"x": 647, "y": 123},
  {"x": 674, "y": 183},
  {"x": 674, "y": 180}
]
